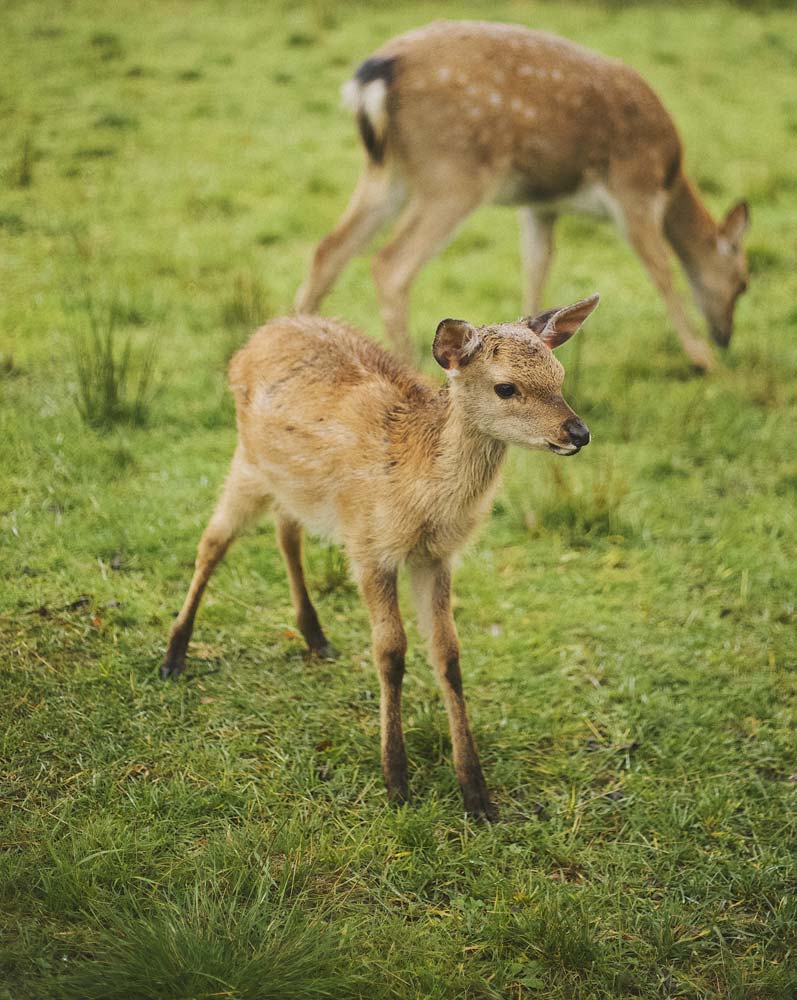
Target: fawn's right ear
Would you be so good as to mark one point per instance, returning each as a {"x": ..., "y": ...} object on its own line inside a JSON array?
[
  {"x": 455, "y": 343},
  {"x": 555, "y": 326}
]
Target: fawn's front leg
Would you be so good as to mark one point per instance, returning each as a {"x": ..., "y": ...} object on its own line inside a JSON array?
[
  {"x": 380, "y": 592},
  {"x": 431, "y": 581}
]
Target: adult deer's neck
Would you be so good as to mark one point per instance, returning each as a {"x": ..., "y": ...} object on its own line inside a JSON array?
[{"x": 688, "y": 226}]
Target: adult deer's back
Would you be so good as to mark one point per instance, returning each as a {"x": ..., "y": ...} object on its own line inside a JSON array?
[{"x": 460, "y": 113}]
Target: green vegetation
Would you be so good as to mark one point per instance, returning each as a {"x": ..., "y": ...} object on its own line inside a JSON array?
[{"x": 627, "y": 618}]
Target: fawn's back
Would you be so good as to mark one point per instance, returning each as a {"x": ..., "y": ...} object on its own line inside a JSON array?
[{"x": 318, "y": 406}]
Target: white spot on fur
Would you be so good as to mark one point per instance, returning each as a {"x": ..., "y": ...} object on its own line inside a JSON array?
[
  {"x": 530, "y": 113},
  {"x": 556, "y": 74},
  {"x": 525, "y": 70},
  {"x": 495, "y": 99},
  {"x": 444, "y": 74}
]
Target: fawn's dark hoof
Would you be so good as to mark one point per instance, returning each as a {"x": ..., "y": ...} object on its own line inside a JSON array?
[
  {"x": 324, "y": 651},
  {"x": 478, "y": 803},
  {"x": 398, "y": 796},
  {"x": 172, "y": 667}
]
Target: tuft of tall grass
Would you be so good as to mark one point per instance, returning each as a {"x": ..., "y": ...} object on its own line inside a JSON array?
[
  {"x": 247, "y": 305},
  {"x": 8, "y": 367},
  {"x": 111, "y": 388},
  {"x": 258, "y": 945},
  {"x": 108, "y": 45},
  {"x": 245, "y": 309},
  {"x": 20, "y": 171},
  {"x": 333, "y": 574},
  {"x": 578, "y": 508}
]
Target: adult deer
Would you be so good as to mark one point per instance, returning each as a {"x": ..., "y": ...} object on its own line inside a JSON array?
[
  {"x": 461, "y": 113},
  {"x": 340, "y": 437}
]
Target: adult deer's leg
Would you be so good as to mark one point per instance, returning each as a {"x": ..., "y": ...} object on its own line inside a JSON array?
[
  {"x": 377, "y": 196},
  {"x": 240, "y": 502},
  {"x": 536, "y": 251},
  {"x": 289, "y": 537},
  {"x": 643, "y": 227},
  {"x": 431, "y": 582},
  {"x": 379, "y": 589},
  {"x": 424, "y": 227}
]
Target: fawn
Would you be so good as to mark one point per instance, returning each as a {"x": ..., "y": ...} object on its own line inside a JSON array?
[
  {"x": 340, "y": 437},
  {"x": 461, "y": 113}
]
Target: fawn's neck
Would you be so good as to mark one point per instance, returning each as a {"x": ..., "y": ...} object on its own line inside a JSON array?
[
  {"x": 468, "y": 461},
  {"x": 689, "y": 227}
]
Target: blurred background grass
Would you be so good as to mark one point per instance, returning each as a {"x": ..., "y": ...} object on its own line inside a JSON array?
[{"x": 627, "y": 618}]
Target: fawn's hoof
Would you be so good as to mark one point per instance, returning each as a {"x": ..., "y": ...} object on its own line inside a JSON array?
[
  {"x": 324, "y": 651},
  {"x": 398, "y": 789},
  {"x": 398, "y": 796},
  {"x": 478, "y": 802},
  {"x": 172, "y": 666}
]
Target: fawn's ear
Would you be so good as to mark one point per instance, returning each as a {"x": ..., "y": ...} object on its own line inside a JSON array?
[
  {"x": 555, "y": 326},
  {"x": 455, "y": 343},
  {"x": 734, "y": 225}
]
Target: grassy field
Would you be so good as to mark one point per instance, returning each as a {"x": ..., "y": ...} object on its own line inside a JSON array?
[{"x": 627, "y": 618}]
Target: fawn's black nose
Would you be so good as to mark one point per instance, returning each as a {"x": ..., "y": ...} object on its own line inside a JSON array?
[{"x": 577, "y": 431}]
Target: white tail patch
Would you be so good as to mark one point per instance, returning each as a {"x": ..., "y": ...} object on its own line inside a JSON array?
[
  {"x": 350, "y": 95},
  {"x": 370, "y": 99}
]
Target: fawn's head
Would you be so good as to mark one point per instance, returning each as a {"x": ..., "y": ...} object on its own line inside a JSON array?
[
  {"x": 723, "y": 275},
  {"x": 507, "y": 381}
]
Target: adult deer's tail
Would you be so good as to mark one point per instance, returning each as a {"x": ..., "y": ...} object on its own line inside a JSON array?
[{"x": 366, "y": 94}]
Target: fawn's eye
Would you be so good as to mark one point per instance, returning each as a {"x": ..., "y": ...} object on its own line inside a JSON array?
[{"x": 505, "y": 390}]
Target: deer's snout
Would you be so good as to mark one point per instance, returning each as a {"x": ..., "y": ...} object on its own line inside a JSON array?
[
  {"x": 577, "y": 431},
  {"x": 721, "y": 335}
]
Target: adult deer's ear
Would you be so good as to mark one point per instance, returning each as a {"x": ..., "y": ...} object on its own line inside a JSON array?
[
  {"x": 455, "y": 343},
  {"x": 735, "y": 223},
  {"x": 556, "y": 326}
]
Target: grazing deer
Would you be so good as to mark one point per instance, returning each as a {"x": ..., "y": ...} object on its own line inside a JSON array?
[
  {"x": 461, "y": 113},
  {"x": 338, "y": 436}
]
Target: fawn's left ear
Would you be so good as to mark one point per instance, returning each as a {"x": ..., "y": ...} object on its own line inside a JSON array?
[
  {"x": 555, "y": 326},
  {"x": 455, "y": 343}
]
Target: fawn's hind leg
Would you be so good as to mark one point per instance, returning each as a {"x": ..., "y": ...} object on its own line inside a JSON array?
[
  {"x": 240, "y": 502},
  {"x": 289, "y": 537}
]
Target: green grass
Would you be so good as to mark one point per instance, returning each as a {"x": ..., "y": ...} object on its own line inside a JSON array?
[{"x": 627, "y": 618}]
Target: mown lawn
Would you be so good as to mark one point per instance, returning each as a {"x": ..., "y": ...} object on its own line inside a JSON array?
[{"x": 627, "y": 618}]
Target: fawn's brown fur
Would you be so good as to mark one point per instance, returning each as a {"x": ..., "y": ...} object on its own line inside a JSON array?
[
  {"x": 460, "y": 113},
  {"x": 337, "y": 436}
]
